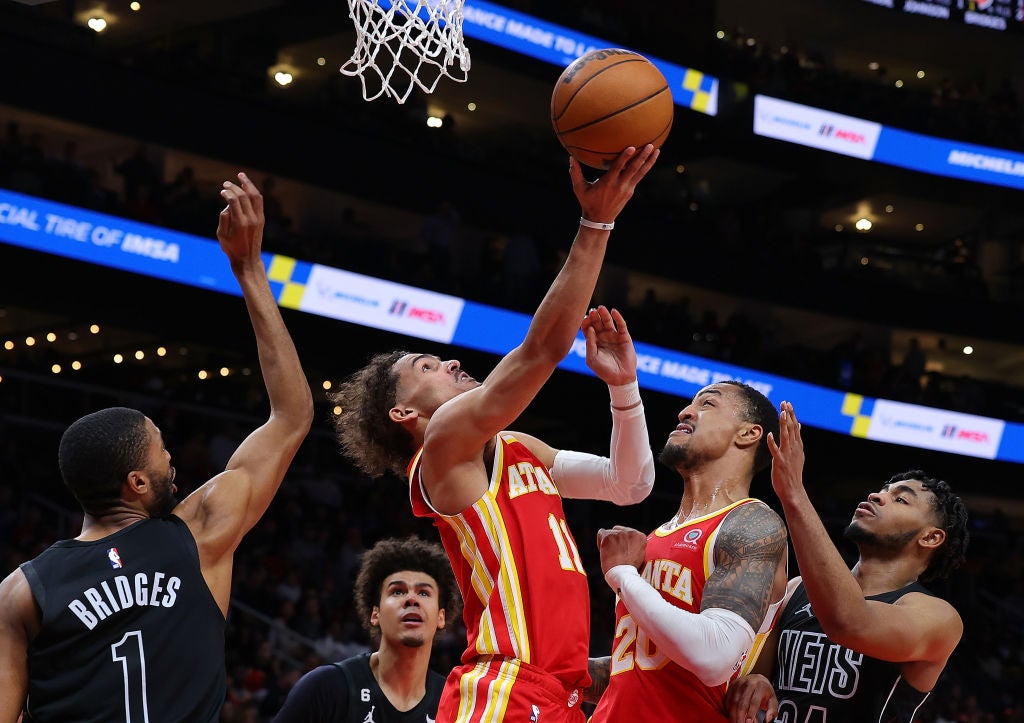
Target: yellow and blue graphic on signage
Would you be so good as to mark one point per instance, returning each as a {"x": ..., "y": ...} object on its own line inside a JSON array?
[
  {"x": 288, "y": 278},
  {"x": 697, "y": 92},
  {"x": 856, "y": 406}
]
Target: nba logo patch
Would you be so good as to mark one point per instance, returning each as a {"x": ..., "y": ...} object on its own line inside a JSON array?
[
  {"x": 115, "y": 558},
  {"x": 534, "y": 714}
]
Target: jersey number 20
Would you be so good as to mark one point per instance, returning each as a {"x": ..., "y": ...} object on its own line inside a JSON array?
[{"x": 634, "y": 648}]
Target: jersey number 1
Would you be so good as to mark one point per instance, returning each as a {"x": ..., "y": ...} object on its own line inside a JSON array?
[
  {"x": 129, "y": 653},
  {"x": 568, "y": 555}
]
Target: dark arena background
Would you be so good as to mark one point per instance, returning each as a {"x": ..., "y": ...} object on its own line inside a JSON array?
[{"x": 839, "y": 259}]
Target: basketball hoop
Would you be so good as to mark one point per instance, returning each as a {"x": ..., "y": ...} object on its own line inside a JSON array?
[{"x": 406, "y": 43}]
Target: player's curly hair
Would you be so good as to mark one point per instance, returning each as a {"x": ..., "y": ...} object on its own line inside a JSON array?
[
  {"x": 952, "y": 517},
  {"x": 757, "y": 409},
  {"x": 366, "y": 434},
  {"x": 393, "y": 554}
]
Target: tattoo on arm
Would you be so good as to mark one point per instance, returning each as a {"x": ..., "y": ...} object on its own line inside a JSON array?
[
  {"x": 600, "y": 669},
  {"x": 750, "y": 545}
]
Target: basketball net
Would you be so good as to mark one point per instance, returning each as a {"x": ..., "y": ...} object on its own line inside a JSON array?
[{"x": 402, "y": 44}]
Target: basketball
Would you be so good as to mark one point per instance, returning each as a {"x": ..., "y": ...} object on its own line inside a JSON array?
[{"x": 607, "y": 100}]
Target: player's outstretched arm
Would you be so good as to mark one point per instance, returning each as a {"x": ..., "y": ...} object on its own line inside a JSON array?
[
  {"x": 626, "y": 476},
  {"x": 225, "y": 508},
  {"x": 916, "y": 628},
  {"x": 18, "y": 621},
  {"x": 461, "y": 427}
]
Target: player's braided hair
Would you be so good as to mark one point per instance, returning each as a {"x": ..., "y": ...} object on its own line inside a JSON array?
[
  {"x": 367, "y": 435},
  {"x": 952, "y": 517},
  {"x": 392, "y": 555}
]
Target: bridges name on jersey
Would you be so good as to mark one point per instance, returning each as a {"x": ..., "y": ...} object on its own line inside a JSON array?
[{"x": 121, "y": 593}]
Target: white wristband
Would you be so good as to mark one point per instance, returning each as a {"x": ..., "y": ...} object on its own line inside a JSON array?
[
  {"x": 596, "y": 224},
  {"x": 625, "y": 396}
]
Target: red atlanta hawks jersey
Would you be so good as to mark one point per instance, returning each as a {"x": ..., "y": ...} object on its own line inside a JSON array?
[
  {"x": 523, "y": 585},
  {"x": 644, "y": 684}
]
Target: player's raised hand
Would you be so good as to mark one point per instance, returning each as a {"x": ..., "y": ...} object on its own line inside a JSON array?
[
  {"x": 601, "y": 200},
  {"x": 610, "y": 352},
  {"x": 240, "y": 226},
  {"x": 787, "y": 454}
]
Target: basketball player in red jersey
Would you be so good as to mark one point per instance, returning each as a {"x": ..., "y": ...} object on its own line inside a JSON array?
[
  {"x": 496, "y": 496},
  {"x": 710, "y": 579}
]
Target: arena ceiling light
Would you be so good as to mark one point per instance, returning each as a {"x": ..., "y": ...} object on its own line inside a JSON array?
[
  {"x": 96, "y": 17},
  {"x": 283, "y": 74}
]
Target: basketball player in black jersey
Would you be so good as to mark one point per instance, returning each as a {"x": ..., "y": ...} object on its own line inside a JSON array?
[
  {"x": 404, "y": 593},
  {"x": 867, "y": 644},
  {"x": 126, "y": 621}
]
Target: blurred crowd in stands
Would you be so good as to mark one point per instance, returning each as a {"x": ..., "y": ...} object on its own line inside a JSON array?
[
  {"x": 510, "y": 268},
  {"x": 984, "y": 109}
]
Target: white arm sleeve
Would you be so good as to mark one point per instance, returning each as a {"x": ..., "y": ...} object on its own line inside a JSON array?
[
  {"x": 711, "y": 644},
  {"x": 625, "y": 478}
]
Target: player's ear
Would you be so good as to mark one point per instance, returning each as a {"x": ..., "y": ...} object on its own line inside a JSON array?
[
  {"x": 137, "y": 482},
  {"x": 375, "y": 616},
  {"x": 751, "y": 435},
  {"x": 403, "y": 415},
  {"x": 440, "y": 619},
  {"x": 933, "y": 538}
]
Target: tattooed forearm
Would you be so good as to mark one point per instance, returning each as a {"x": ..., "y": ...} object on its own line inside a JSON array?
[
  {"x": 600, "y": 669},
  {"x": 749, "y": 548}
]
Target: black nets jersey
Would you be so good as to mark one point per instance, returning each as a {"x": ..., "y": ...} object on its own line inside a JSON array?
[
  {"x": 130, "y": 631},
  {"x": 347, "y": 692},
  {"x": 819, "y": 681}
]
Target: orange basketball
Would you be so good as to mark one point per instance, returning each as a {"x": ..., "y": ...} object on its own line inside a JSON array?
[{"x": 608, "y": 100}]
